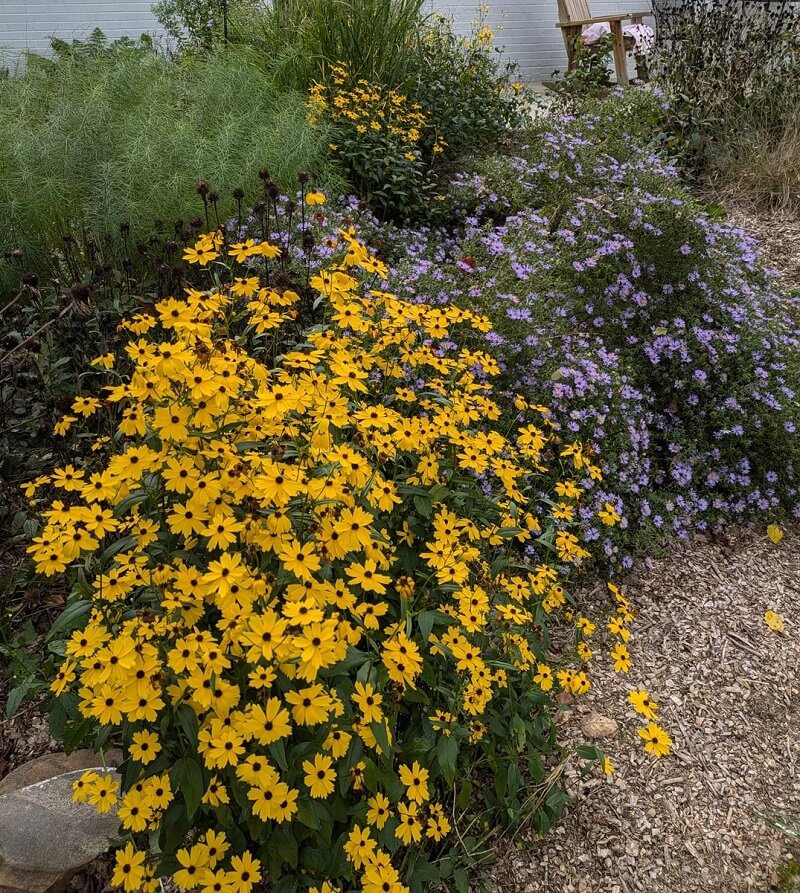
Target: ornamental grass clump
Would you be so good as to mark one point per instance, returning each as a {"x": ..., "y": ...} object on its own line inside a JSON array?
[
  {"x": 122, "y": 134},
  {"x": 313, "y": 596}
]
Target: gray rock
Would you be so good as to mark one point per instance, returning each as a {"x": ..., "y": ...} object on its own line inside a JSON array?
[
  {"x": 44, "y": 836},
  {"x": 50, "y": 765}
]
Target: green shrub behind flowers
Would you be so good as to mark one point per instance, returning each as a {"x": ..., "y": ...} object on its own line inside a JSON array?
[{"x": 299, "y": 600}]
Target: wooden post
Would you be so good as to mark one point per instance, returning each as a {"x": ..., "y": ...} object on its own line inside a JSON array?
[{"x": 620, "y": 59}]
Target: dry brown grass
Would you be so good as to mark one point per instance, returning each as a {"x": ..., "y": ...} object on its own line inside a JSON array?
[{"x": 759, "y": 163}]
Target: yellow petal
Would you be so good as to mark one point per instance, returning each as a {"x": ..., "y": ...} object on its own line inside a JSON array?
[
  {"x": 774, "y": 533},
  {"x": 774, "y": 621}
]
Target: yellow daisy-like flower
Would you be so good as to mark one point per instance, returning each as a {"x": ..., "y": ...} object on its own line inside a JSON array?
[
  {"x": 642, "y": 703},
  {"x": 656, "y": 740}
]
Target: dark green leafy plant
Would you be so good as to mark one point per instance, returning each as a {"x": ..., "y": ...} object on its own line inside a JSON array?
[
  {"x": 590, "y": 75},
  {"x": 469, "y": 95}
]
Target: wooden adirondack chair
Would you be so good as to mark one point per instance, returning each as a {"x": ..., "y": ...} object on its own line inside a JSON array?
[{"x": 573, "y": 17}]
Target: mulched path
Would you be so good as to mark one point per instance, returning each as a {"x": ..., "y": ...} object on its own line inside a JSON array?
[
  {"x": 779, "y": 235},
  {"x": 728, "y": 690}
]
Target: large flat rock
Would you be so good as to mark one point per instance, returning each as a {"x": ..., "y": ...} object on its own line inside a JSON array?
[
  {"x": 50, "y": 765},
  {"x": 44, "y": 836}
]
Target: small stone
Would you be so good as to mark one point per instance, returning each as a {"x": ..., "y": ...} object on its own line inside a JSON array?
[{"x": 596, "y": 725}]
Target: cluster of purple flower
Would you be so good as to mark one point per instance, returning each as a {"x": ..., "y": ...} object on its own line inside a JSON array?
[{"x": 647, "y": 327}]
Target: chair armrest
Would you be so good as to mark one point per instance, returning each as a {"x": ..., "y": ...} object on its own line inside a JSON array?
[{"x": 621, "y": 17}]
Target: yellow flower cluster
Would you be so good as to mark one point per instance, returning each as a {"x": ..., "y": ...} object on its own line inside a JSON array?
[
  {"x": 370, "y": 108},
  {"x": 283, "y": 560}
]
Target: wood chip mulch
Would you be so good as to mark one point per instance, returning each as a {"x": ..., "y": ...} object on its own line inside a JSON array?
[
  {"x": 728, "y": 689},
  {"x": 778, "y": 235}
]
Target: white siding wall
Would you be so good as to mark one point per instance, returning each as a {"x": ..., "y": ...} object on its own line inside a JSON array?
[
  {"x": 29, "y": 24},
  {"x": 528, "y": 27}
]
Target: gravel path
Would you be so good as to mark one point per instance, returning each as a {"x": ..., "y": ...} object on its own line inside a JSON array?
[{"x": 728, "y": 690}]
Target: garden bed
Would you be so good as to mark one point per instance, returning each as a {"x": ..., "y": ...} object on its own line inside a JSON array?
[{"x": 336, "y": 496}]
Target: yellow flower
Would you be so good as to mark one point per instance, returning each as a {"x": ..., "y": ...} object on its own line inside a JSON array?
[
  {"x": 409, "y": 828},
  {"x": 320, "y": 776},
  {"x": 774, "y": 533},
  {"x": 315, "y": 198},
  {"x": 415, "y": 778},
  {"x": 360, "y": 847},
  {"x": 609, "y": 515},
  {"x": 656, "y": 741},
  {"x": 621, "y": 657},
  {"x": 379, "y": 810},
  {"x": 774, "y": 621},
  {"x": 145, "y": 747},
  {"x": 642, "y": 703},
  {"x": 129, "y": 869}
]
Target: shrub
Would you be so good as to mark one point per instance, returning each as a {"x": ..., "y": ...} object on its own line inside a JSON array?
[
  {"x": 467, "y": 93},
  {"x": 733, "y": 101},
  {"x": 645, "y": 325},
  {"x": 311, "y": 599},
  {"x": 198, "y": 23},
  {"x": 124, "y": 136},
  {"x": 379, "y": 58},
  {"x": 379, "y": 139}
]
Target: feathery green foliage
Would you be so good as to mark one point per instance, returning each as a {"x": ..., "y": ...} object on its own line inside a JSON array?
[{"x": 93, "y": 139}]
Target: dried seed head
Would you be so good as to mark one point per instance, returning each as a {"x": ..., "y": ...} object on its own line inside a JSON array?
[{"x": 80, "y": 291}]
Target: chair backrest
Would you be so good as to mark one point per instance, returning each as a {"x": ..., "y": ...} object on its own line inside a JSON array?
[{"x": 570, "y": 10}]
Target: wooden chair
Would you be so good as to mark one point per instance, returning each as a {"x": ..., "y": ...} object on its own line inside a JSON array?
[{"x": 574, "y": 15}]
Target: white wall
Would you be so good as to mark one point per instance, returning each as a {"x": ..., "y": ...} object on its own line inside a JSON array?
[
  {"x": 528, "y": 31},
  {"x": 29, "y": 24},
  {"x": 528, "y": 27}
]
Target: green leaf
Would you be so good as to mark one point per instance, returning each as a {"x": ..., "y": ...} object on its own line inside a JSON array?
[
  {"x": 18, "y": 694},
  {"x": 426, "y": 620},
  {"x": 119, "y": 546},
  {"x": 187, "y": 720},
  {"x": 305, "y": 815},
  {"x": 381, "y": 734},
  {"x": 589, "y": 753},
  {"x": 500, "y": 784},
  {"x": 447, "y": 751},
  {"x": 461, "y": 880},
  {"x": 278, "y": 752},
  {"x": 286, "y": 846},
  {"x": 421, "y": 874},
  {"x": 75, "y": 733},
  {"x": 514, "y": 779},
  {"x": 70, "y": 617},
  {"x": 187, "y": 777},
  {"x": 464, "y": 794},
  {"x": 287, "y": 884},
  {"x": 423, "y": 505}
]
